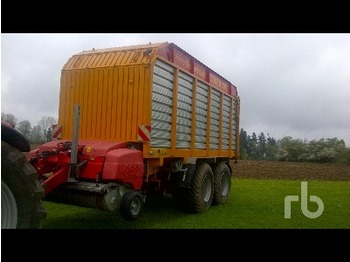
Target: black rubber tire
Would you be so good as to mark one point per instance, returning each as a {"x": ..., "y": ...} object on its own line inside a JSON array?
[
  {"x": 202, "y": 189},
  {"x": 222, "y": 183},
  {"x": 14, "y": 138},
  {"x": 21, "y": 193},
  {"x": 181, "y": 195},
  {"x": 131, "y": 205}
]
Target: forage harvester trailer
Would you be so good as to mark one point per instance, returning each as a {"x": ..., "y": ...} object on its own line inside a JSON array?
[{"x": 136, "y": 121}]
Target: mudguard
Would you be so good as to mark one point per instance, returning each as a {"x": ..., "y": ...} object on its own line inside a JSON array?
[{"x": 13, "y": 137}]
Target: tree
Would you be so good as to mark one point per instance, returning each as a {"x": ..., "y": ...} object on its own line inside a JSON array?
[
  {"x": 243, "y": 142},
  {"x": 36, "y": 136},
  {"x": 48, "y": 135},
  {"x": 253, "y": 146},
  {"x": 326, "y": 150},
  {"x": 9, "y": 118},
  {"x": 271, "y": 148},
  {"x": 25, "y": 128},
  {"x": 46, "y": 123},
  {"x": 291, "y": 149},
  {"x": 261, "y": 150},
  {"x": 345, "y": 157}
]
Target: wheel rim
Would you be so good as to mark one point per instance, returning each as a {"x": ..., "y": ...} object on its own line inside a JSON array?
[
  {"x": 207, "y": 189},
  {"x": 135, "y": 206},
  {"x": 225, "y": 182},
  {"x": 8, "y": 208}
]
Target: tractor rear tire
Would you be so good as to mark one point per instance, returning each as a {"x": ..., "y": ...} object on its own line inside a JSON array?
[{"x": 21, "y": 193}]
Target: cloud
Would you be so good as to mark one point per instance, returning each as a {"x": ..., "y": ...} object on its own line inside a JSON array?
[{"x": 289, "y": 84}]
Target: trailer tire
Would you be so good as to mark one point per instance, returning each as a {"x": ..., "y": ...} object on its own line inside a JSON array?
[
  {"x": 21, "y": 193},
  {"x": 131, "y": 205},
  {"x": 222, "y": 183},
  {"x": 202, "y": 188}
]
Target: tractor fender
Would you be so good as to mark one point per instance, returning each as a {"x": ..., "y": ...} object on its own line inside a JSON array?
[{"x": 13, "y": 137}]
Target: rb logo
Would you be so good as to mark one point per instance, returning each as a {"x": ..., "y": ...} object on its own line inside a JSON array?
[{"x": 304, "y": 200}]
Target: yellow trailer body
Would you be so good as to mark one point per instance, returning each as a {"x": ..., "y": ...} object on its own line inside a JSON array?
[{"x": 156, "y": 95}]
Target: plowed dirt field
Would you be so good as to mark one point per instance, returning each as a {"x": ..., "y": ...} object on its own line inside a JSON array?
[{"x": 290, "y": 170}]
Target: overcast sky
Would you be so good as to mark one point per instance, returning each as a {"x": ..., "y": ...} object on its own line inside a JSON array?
[{"x": 289, "y": 84}]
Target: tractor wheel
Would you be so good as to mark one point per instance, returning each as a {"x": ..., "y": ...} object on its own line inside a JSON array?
[
  {"x": 21, "y": 193},
  {"x": 202, "y": 188},
  {"x": 131, "y": 205},
  {"x": 222, "y": 183}
]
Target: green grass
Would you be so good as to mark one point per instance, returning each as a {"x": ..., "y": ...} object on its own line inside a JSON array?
[{"x": 253, "y": 204}]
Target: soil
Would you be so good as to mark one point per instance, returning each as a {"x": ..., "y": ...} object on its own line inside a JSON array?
[{"x": 290, "y": 170}]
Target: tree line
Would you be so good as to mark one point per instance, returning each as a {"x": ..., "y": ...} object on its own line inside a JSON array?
[
  {"x": 265, "y": 147},
  {"x": 38, "y": 134},
  {"x": 252, "y": 146}
]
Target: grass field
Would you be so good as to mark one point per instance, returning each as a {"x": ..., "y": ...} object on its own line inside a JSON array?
[{"x": 257, "y": 199}]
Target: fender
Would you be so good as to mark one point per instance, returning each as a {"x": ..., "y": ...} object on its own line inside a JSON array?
[
  {"x": 183, "y": 178},
  {"x": 13, "y": 137}
]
